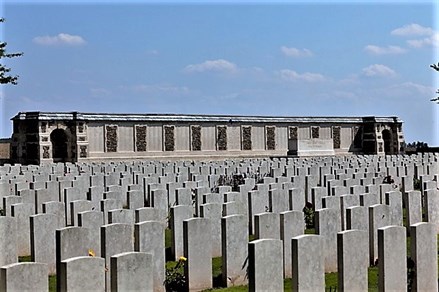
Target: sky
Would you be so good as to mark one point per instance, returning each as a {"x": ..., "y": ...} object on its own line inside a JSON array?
[{"x": 346, "y": 58}]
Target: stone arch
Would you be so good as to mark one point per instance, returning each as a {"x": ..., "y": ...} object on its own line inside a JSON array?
[
  {"x": 388, "y": 141},
  {"x": 62, "y": 145}
]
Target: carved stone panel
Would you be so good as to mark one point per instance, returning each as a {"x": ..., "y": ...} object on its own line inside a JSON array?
[
  {"x": 336, "y": 137},
  {"x": 111, "y": 138},
  {"x": 83, "y": 151},
  {"x": 246, "y": 138},
  {"x": 46, "y": 153},
  {"x": 81, "y": 128},
  {"x": 196, "y": 138},
  {"x": 221, "y": 138},
  {"x": 169, "y": 138},
  {"x": 141, "y": 138},
  {"x": 315, "y": 132},
  {"x": 271, "y": 138},
  {"x": 293, "y": 133},
  {"x": 43, "y": 127}
]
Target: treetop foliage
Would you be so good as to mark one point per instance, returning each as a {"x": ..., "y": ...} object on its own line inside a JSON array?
[
  {"x": 5, "y": 78},
  {"x": 435, "y": 67}
]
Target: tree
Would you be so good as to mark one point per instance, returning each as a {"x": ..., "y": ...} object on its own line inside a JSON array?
[
  {"x": 5, "y": 78},
  {"x": 435, "y": 67}
]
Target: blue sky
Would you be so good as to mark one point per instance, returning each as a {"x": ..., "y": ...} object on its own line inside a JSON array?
[{"x": 288, "y": 59}]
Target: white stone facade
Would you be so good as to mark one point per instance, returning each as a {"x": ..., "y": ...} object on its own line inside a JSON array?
[{"x": 71, "y": 137}]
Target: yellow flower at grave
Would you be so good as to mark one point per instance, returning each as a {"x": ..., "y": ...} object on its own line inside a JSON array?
[
  {"x": 182, "y": 259},
  {"x": 91, "y": 253}
]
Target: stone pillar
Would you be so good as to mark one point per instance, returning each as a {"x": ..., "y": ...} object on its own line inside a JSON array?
[{"x": 265, "y": 272}]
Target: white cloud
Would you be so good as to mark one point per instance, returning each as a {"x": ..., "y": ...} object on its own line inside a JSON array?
[
  {"x": 384, "y": 50},
  {"x": 432, "y": 40},
  {"x": 219, "y": 65},
  {"x": 152, "y": 52},
  {"x": 159, "y": 88},
  {"x": 96, "y": 92},
  {"x": 418, "y": 88},
  {"x": 378, "y": 70},
  {"x": 290, "y": 75},
  {"x": 293, "y": 52},
  {"x": 60, "y": 39},
  {"x": 413, "y": 29}
]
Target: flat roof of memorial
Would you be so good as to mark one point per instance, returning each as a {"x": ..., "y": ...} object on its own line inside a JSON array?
[{"x": 154, "y": 117}]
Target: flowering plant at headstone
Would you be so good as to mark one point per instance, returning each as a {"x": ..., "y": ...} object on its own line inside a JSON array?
[
  {"x": 175, "y": 279},
  {"x": 308, "y": 213}
]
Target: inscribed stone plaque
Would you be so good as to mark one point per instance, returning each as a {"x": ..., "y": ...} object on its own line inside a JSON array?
[
  {"x": 271, "y": 138},
  {"x": 293, "y": 133},
  {"x": 315, "y": 132},
  {"x": 336, "y": 137},
  {"x": 196, "y": 138},
  {"x": 140, "y": 138},
  {"x": 169, "y": 138},
  {"x": 111, "y": 138},
  {"x": 221, "y": 138},
  {"x": 246, "y": 138}
]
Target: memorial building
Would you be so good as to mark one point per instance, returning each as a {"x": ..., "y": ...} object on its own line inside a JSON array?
[{"x": 41, "y": 137}]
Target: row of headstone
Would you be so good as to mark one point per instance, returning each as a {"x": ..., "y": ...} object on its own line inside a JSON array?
[
  {"x": 134, "y": 270},
  {"x": 266, "y": 208}
]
